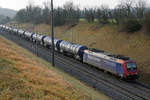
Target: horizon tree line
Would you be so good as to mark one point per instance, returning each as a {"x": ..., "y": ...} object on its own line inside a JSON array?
[{"x": 71, "y": 14}]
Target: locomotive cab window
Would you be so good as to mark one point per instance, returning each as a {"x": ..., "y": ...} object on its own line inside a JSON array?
[{"x": 131, "y": 66}]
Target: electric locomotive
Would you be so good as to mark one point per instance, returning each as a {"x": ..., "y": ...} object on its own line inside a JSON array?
[{"x": 116, "y": 64}]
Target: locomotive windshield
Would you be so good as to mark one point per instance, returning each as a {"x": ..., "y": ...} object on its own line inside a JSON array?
[{"x": 131, "y": 66}]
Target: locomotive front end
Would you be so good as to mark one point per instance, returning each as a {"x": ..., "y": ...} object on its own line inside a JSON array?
[{"x": 131, "y": 68}]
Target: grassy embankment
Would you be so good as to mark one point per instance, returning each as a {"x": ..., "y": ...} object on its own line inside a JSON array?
[
  {"x": 135, "y": 45},
  {"x": 26, "y": 77}
]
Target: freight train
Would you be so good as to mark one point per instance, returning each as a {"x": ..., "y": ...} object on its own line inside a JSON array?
[{"x": 118, "y": 65}]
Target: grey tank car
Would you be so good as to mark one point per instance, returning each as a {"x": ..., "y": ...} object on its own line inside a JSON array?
[
  {"x": 71, "y": 48},
  {"x": 38, "y": 38}
]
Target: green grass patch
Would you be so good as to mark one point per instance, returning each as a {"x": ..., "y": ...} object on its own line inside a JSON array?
[{"x": 6, "y": 64}]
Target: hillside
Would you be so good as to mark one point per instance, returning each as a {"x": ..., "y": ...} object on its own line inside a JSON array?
[
  {"x": 6, "y": 15},
  {"x": 135, "y": 45},
  {"x": 26, "y": 77},
  {"x": 7, "y": 12},
  {"x": 2, "y": 17}
]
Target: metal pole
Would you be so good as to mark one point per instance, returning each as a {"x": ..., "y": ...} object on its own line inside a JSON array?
[
  {"x": 52, "y": 34},
  {"x": 72, "y": 35}
]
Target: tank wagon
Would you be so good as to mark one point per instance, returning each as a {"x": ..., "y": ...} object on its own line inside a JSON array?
[
  {"x": 72, "y": 49},
  {"x": 118, "y": 65},
  {"x": 57, "y": 44},
  {"x": 28, "y": 35},
  {"x": 38, "y": 38},
  {"x": 9, "y": 29},
  {"x": 47, "y": 41},
  {"x": 1, "y": 27},
  {"x": 6, "y": 28},
  {"x": 21, "y": 32}
]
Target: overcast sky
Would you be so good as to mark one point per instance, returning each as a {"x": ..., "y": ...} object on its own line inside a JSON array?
[{"x": 18, "y": 4}]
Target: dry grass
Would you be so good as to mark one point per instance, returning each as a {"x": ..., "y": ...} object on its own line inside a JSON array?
[
  {"x": 136, "y": 45},
  {"x": 24, "y": 78}
]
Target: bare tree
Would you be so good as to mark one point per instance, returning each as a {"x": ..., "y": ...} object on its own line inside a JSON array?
[
  {"x": 89, "y": 14},
  {"x": 140, "y": 8},
  {"x": 99, "y": 15},
  {"x": 119, "y": 13},
  {"x": 21, "y": 16},
  {"x": 72, "y": 13},
  {"x": 128, "y": 4},
  {"x": 59, "y": 17},
  {"x": 47, "y": 4},
  {"x": 105, "y": 13},
  {"x": 46, "y": 12},
  {"x": 147, "y": 21},
  {"x": 30, "y": 2}
]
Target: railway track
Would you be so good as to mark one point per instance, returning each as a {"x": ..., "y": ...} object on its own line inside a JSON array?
[
  {"x": 127, "y": 90},
  {"x": 114, "y": 88},
  {"x": 124, "y": 92},
  {"x": 141, "y": 92}
]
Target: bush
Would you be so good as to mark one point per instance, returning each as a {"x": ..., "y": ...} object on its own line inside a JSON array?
[{"x": 131, "y": 25}]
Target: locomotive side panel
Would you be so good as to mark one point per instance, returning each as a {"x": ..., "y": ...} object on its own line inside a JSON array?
[{"x": 103, "y": 63}]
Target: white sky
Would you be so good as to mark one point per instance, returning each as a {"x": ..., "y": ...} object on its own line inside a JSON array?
[{"x": 18, "y": 4}]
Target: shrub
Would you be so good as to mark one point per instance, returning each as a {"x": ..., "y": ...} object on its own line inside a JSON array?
[{"x": 131, "y": 25}]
